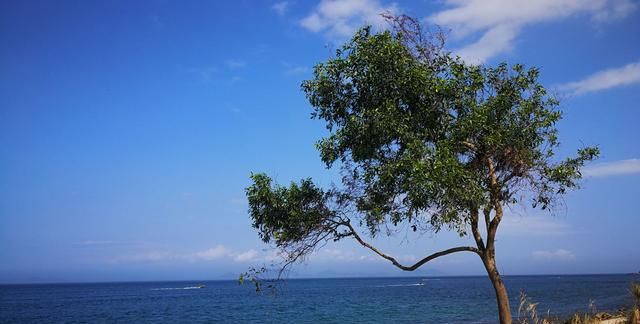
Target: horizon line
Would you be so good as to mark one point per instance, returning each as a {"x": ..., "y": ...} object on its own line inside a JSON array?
[{"x": 317, "y": 278}]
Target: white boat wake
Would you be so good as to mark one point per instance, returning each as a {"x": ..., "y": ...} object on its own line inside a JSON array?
[{"x": 180, "y": 288}]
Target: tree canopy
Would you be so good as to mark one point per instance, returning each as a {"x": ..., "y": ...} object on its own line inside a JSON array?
[{"x": 421, "y": 138}]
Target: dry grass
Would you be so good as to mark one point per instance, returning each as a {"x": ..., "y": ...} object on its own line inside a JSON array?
[
  {"x": 634, "y": 314},
  {"x": 635, "y": 292},
  {"x": 528, "y": 313}
]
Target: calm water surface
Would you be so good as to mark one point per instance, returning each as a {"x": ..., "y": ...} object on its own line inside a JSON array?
[{"x": 362, "y": 300}]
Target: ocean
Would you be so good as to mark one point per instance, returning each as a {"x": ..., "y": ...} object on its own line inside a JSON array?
[{"x": 346, "y": 300}]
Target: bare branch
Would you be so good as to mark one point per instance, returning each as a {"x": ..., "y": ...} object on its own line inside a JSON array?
[
  {"x": 425, "y": 44},
  {"x": 417, "y": 264}
]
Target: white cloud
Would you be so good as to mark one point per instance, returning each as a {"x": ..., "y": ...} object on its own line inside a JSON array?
[
  {"x": 222, "y": 252},
  {"x": 235, "y": 79},
  {"x": 340, "y": 18},
  {"x": 281, "y": 7},
  {"x": 235, "y": 64},
  {"x": 246, "y": 256},
  {"x": 213, "y": 253},
  {"x": 358, "y": 254},
  {"x": 615, "y": 77},
  {"x": 496, "y": 40},
  {"x": 369, "y": 258},
  {"x": 500, "y": 21},
  {"x": 618, "y": 9},
  {"x": 514, "y": 225},
  {"x": 630, "y": 166},
  {"x": 557, "y": 255},
  {"x": 95, "y": 243},
  {"x": 335, "y": 254},
  {"x": 205, "y": 73},
  {"x": 295, "y": 70},
  {"x": 148, "y": 256},
  {"x": 218, "y": 252},
  {"x": 273, "y": 256}
]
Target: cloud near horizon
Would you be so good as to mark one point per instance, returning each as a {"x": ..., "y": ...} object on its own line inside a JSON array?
[
  {"x": 557, "y": 255},
  {"x": 500, "y": 21},
  {"x": 218, "y": 252},
  {"x": 359, "y": 254},
  {"x": 606, "y": 79},
  {"x": 92, "y": 243},
  {"x": 533, "y": 225},
  {"x": 246, "y": 256}
]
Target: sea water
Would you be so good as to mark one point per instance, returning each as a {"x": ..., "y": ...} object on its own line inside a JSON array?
[{"x": 347, "y": 300}]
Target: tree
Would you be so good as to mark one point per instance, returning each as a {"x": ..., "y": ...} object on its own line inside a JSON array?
[{"x": 422, "y": 139}]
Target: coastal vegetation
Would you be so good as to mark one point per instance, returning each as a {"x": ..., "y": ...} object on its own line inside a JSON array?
[
  {"x": 528, "y": 313},
  {"x": 424, "y": 140}
]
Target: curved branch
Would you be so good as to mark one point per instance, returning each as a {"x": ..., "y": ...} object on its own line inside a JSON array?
[{"x": 417, "y": 264}]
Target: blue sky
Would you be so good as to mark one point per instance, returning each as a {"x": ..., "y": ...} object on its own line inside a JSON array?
[{"x": 128, "y": 130}]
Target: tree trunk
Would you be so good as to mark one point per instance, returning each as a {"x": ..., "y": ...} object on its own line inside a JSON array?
[{"x": 504, "y": 311}]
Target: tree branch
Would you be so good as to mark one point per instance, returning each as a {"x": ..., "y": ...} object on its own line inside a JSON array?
[
  {"x": 487, "y": 217},
  {"x": 417, "y": 264},
  {"x": 469, "y": 145},
  {"x": 475, "y": 231},
  {"x": 495, "y": 199}
]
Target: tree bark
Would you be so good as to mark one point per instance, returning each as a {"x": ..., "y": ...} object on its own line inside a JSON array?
[
  {"x": 504, "y": 310},
  {"x": 489, "y": 254}
]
